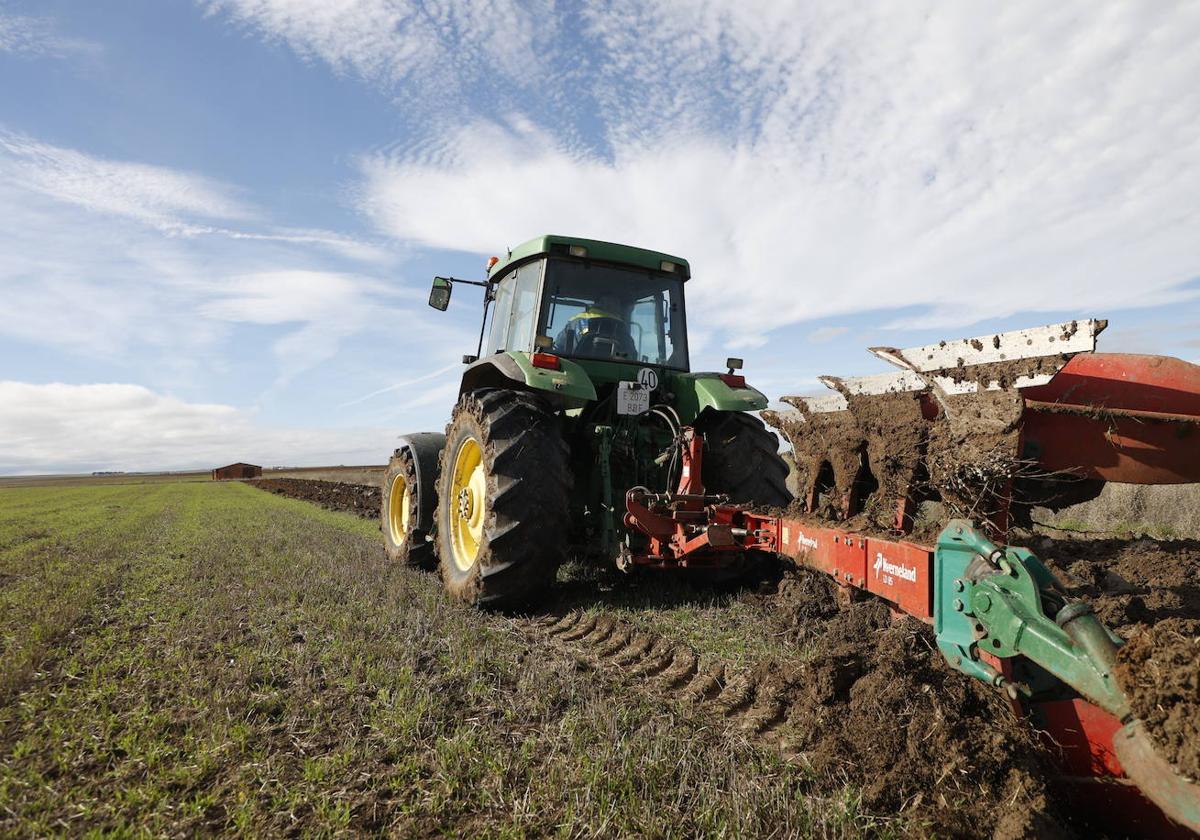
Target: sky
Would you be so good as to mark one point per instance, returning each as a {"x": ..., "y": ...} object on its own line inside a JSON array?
[{"x": 219, "y": 219}]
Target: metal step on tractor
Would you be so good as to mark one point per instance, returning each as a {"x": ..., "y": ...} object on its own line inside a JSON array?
[{"x": 580, "y": 427}]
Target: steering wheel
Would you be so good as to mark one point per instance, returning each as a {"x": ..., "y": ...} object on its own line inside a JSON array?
[{"x": 597, "y": 346}]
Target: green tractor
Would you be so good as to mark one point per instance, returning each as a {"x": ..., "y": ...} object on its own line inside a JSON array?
[{"x": 581, "y": 395}]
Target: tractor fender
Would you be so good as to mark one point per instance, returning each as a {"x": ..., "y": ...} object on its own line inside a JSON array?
[
  {"x": 695, "y": 392},
  {"x": 425, "y": 448},
  {"x": 570, "y": 383}
]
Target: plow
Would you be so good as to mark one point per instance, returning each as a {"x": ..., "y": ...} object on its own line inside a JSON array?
[
  {"x": 870, "y": 453},
  {"x": 581, "y": 430},
  {"x": 994, "y": 425}
]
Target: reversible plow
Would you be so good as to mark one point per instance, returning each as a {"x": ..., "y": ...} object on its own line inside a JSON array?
[
  {"x": 992, "y": 426},
  {"x": 989, "y": 426}
]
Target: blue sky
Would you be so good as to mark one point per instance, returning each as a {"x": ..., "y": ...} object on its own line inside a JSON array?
[{"x": 218, "y": 220}]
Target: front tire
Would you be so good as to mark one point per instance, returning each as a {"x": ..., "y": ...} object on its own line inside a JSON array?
[
  {"x": 503, "y": 496},
  {"x": 403, "y": 540}
]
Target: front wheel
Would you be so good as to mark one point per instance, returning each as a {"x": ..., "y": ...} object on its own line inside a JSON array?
[
  {"x": 503, "y": 493},
  {"x": 403, "y": 540}
]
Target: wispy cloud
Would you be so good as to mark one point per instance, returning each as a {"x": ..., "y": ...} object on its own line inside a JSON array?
[
  {"x": 117, "y": 259},
  {"x": 326, "y": 307},
  {"x": 155, "y": 195},
  {"x": 835, "y": 160},
  {"x": 57, "y": 427},
  {"x": 173, "y": 202},
  {"x": 438, "y": 48},
  {"x": 440, "y": 373},
  {"x": 824, "y": 334},
  {"x": 35, "y": 37}
]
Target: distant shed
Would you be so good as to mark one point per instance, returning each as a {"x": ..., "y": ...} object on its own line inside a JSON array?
[{"x": 238, "y": 470}]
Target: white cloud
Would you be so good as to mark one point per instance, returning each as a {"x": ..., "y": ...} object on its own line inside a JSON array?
[
  {"x": 828, "y": 160},
  {"x": 118, "y": 260},
  {"x": 79, "y": 428}
]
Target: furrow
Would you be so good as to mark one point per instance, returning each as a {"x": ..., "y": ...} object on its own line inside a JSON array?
[{"x": 617, "y": 642}]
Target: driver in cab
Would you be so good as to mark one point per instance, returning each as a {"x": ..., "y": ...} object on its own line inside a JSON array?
[{"x": 598, "y": 332}]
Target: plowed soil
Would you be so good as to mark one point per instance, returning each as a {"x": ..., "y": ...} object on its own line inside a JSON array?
[
  {"x": 1130, "y": 583},
  {"x": 871, "y": 706},
  {"x": 862, "y": 701},
  {"x": 362, "y": 499},
  {"x": 1160, "y": 672},
  {"x": 1149, "y": 592}
]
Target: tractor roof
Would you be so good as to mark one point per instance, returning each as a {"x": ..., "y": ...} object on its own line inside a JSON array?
[{"x": 594, "y": 249}]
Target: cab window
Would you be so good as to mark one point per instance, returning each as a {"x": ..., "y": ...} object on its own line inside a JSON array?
[{"x": 618, "y": 313}]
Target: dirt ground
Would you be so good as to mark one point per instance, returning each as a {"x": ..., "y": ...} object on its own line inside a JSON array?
[
  {"x": 868, "y": 705},
  {"x": 362, "y": 499},
  {"x": 1148, "y": 591},
  {"x": 864, "y": 702},
  {"x": 1160, "y": 671},
  {"x": 856, "y": 698},
  {"x": 875, "y": 699}
]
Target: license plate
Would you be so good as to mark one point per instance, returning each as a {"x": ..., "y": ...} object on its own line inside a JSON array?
[{"x": 632, "y": 398}]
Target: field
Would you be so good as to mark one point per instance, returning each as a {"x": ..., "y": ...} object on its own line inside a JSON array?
[
  {"x": 183, "y": 657},
  {"x": 208, "y": 657}
]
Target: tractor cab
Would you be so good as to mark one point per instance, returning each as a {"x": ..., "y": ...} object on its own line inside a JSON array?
[
  {"x": 585, "y": 300},
  {"x": 565, "y": 302},
  {"x": 584, "y": 322}
]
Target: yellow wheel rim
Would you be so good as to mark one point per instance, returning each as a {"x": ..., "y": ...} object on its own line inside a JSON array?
[
  {"x": 398, "y": 510},
  {"x": 468, "y": 490}
]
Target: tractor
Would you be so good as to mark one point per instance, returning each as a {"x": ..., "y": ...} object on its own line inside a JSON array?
[{"x": 580, "y": 407}]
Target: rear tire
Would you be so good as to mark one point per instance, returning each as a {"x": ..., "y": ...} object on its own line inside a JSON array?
[
  {"x": 742, "y": 460},
  {"x": 403, "y": 540},
  {"x": 503, "y": 496}
]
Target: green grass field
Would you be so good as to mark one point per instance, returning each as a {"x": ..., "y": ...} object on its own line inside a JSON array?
[{"x": 180, "y": 658}]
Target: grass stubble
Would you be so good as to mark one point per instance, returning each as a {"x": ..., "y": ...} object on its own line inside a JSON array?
[{"x": 184, "y": 658}]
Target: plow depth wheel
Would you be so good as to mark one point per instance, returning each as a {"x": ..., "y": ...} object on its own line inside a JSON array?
[{"x": 502, "y": 511}]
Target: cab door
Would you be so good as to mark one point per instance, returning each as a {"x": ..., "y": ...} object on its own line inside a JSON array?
[{"x": 514, "y": 315}]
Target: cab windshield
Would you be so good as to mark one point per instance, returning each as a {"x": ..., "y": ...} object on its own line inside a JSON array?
[{"x": 622, "y": 314}]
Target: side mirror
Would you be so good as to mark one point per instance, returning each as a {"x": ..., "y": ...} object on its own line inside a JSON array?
[
  {"x": 439, "y": 295},
  {"x": 732, "y": 363}
]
